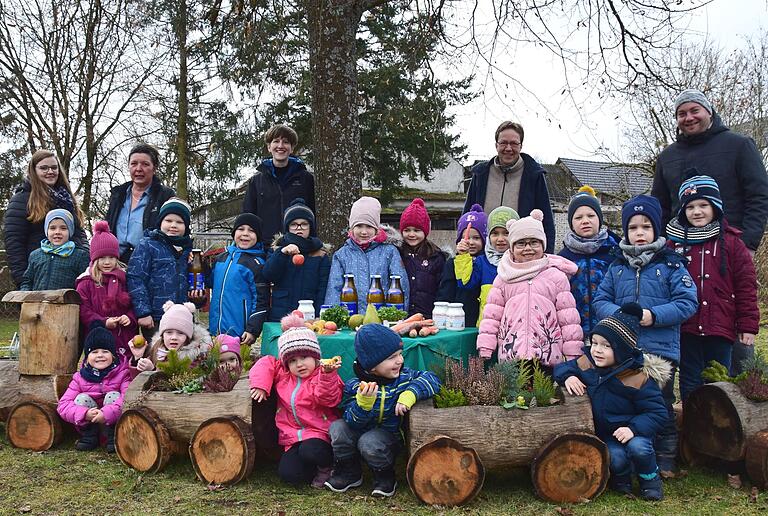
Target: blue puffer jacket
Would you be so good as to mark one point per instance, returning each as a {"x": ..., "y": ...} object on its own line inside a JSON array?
[
  {"x": 422, "y": 384},
  {"x": 379, "y": 258},
  {"x": 240, "y": 294},
  {"x": 584, "y": 284},
  {"x": 664, "y": 287},
  {"x": 156, "y": 273}
]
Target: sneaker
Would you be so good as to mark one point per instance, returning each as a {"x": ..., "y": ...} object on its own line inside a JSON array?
[
  {"x": 734, "y": 481},
  {"x": 384, "y": 483},
  {"x": 668, "y": 474},
  {"x": 321, "y": 477},
  {"x": 109, "y": 432},
  {"x": 652, "y": 489},
  {"x": 89, "y": 438},
  {"x": 346, "y": 475},
  {"x": 621, "y": 484}
]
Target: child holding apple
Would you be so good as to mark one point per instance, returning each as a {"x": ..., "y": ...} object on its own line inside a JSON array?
[{"x": 299, "y": 266}]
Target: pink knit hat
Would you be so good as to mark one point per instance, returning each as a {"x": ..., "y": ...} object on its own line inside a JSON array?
[
  {"x": 365, "y": 210},
  {"x": 103, "y": 242},
  {"x": 178, "y": 317},
  {"x": 527, "y": 227},
  {"x": 296, "y": 340},
  {"x": 416, "y": 215},
  {"x": 230, "y": 344}
]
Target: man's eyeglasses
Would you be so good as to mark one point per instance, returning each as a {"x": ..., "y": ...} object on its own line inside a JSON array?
[
  {"x": 504, "y": 144},
  {"x": 46, "y": 168},
  {"x": 533, "y": 244},
  {"x": 295, "y": 225}
]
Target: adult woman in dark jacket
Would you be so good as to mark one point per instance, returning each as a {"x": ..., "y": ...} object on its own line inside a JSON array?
[{"x": 45, "y": 188}]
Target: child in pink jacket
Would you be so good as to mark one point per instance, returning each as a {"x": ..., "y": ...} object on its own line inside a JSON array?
[
  {"x": 530, "y": 312},
  {"x": 307, "y": 396},
  {"x": 95, "y": 394}
]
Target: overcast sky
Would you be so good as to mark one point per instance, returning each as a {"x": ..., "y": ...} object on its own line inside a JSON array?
[{"x": 563, "y": 132}]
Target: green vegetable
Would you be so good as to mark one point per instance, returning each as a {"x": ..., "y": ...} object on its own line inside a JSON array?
[
  {"x": 390, "y": 313},
  {"x": 337, "y": 314}
]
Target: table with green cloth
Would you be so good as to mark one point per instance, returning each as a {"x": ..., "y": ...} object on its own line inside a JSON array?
[{"x": 423, "y": 353}]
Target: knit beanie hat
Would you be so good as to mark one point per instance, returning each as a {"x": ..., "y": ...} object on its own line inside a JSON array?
[
  {"x": 621, "y": 330},
  {"x": 415, "y": 215},
  {"x": 99, "y": 337},
  {"x": 228, "y": 343},
  {"x": 528, "y": 227},
  {"x": 248, "y": 219},
  {"x": 479, "y": 220},
  {"x": 296, "y": 340},
  {"x": 65, "y": 215},
  {"x": 499, "y": 217},
  {"x": 365, "y": 210},
  {"x": 699, "y": 187},
  {"x": 179, "y": 207},
  {"x": 178, "y": 317},
  {"x": 374, "y": 343},
  {"x": 298, "y": 209},
  {"x": 103, "y": 242},
  {"x": 642, "y": 205},
  {"x": 693, "y": 96},
  {"x": 585, "y": 197}
]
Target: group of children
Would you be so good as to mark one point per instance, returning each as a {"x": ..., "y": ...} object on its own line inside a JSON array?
[{"x": 612, "y": 317}]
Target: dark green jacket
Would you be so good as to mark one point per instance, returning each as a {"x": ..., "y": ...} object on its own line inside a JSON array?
[{"x": 52, "y": 272}]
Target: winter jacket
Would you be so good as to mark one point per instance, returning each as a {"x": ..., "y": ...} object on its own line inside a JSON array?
[
  {"x": 727, "y": 304},
  {"x": 531, "y": 312},
  {"x": 379, "y": 258},
  {"x": 266, "y": 198},
  {"x": 733, "y": 161},
  {"x": 50, "y": 272},
  {"x": 306, "y": 407},
  {"x": 158, "y": 194},
  {"x": 584, "y": 284},
  {"x": 424, "y": 275},
  {"x": 450, "y": 292},
  {"x": 622, "y": 396},
  {"x": 293, "y": 282},
  {"x": 421, "y": 384},
  {"x": 533, "y": 193},
  {"x": 156, "y": 273},
  {"x": 117, "y": 380},
  {"x": 472, "y": 272},
  {"x": 664, "y": 287},
  {"x": 109, "y": 300},
  {"x": 22, "y": 236}
]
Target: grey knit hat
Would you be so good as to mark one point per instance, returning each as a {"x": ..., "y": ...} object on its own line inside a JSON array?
[{"x": 693, "y": 96}]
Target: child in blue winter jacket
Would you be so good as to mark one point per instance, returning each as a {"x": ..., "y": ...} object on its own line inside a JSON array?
[
  {"x": 627, "y": 405},
  {"x": 655, "y": 277},
  {"x": 365, "y": 253},
  {"x": 240, "y": 294},
  {"x": 157, "y": 270},
  {"x": 590, "y": 245},
  {"x": 376, "y": 402}
]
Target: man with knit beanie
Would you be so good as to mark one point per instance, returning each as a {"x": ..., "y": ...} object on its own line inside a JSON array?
[
  {"x": 376, "y": 400},
  {"x": 625, "y": 389}
]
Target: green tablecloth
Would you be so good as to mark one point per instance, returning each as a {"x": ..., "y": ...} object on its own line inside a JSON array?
[{"x": 423, "y": 353}]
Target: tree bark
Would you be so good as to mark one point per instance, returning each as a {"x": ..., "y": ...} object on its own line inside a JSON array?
[{"x": 181, "y": 87}]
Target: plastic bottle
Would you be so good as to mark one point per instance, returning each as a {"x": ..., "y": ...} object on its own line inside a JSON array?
[
  {"x": 375, "y": 292},
  {"x": 349, "y": 294},
  {"x": 395, "y": 296}
]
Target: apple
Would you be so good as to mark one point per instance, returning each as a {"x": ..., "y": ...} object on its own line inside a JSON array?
[
  {"x": 298, "y": 313},
  {"x": 139, "y": 341},
  {"x": 298, "y": 260},
  {"x": 330, "y": 325}
]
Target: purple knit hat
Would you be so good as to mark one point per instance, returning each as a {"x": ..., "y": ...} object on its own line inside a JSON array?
[{"x": 479, "y": 221}]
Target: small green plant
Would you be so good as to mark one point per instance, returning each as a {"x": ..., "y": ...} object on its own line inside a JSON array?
[
  {"x": 174, "y": 366},
  {"x": 245, "y": 357},
  {"x": 543, "y": 386},
  {"x": 449, "y": 398},
  {"x": 480, "y": 387},
  {"x": 221, "y": 379},
  {"x": 337, "y": 314},
  {"x": 390, "y": 313},
  {"x": 716, "y": 372}
]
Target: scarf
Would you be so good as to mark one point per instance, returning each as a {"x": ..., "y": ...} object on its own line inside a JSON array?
[
  {"x": 692, "y": 235},
  {"x": 513, "y": 272},
  {"x": 507, "y": 169},
  {"x": 491, "y": 253},
  {"x": 61, "y": 198},
  {"x": 639, "y": 256},
  {"x": 306, "y": 245},
  {"x": 179, "y": 243},
  {"x": 93, "y": 375},
  {"x": 586, "y": 246},
  {"x": 64, "y": 250},
  {"x": 380, "y": 237}
]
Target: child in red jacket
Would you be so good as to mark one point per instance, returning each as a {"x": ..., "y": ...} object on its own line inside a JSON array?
[
  {"x": 725, "y": 278},
  {"x": 307, "y": 395}
]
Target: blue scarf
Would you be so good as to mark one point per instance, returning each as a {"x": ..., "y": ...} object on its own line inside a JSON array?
[
  {"x": 93, "y": 375},
  {"x": 64, "y": 250}
]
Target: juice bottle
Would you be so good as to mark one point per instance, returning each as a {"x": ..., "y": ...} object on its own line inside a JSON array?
[
  {"x": 349, "y": 294},
  {"x": 375, "y": 292},
  {"x": 395, "y": 296},
  {"x": 195, "y": 271}
]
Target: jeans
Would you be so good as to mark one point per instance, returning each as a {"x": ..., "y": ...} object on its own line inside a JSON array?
[
  {"x": 695, "y": 354},
  {"x": 377, "y": 447},
  {"x": 636, "y": 455},
  {"x": 666, "y": 438},
  {"x": 299, "y": 464},
  {"x": 740, "y": 353}
]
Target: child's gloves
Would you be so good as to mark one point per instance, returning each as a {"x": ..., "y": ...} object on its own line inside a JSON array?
[
  {"x": 404, "y": 403},
  {"x": 366, "y": 395}
]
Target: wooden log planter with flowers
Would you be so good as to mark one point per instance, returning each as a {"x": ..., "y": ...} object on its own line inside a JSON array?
[{"x": 451, "y": 448}]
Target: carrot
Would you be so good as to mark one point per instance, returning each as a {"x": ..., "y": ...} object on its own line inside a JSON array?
[
  {"x": 415, "y": 317},
  {"x": 466, "y": 231},
  {"x": 413, "y": 333},
  {"x": 427, "y": 331}
]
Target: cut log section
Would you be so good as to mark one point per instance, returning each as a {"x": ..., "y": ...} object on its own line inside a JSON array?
[
  {"x": 48, "y": 338},
  {"x": 223, "y": 450},
  {"x": 46, "y": 388},
  {"x": 718, "y": 420},
  {"x": 571, "y": 468},
  {"x": 757, "y": 459},
  {"x": 34, "y": 425},
  {"x": 9, "y": 386},
  {"x": 142, "y": 441},
  {"x": 443, "y": 472}
]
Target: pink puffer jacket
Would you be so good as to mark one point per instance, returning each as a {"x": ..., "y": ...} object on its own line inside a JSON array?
[
  {"x": 117, "y": 380},
  {"x": 531, "y": 313}
]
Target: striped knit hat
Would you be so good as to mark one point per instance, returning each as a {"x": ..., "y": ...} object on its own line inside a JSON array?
[
  {"x": 296, "y": 341},
  {"x": 621, "y": 329},
  {"x": 699, "y": 187}
]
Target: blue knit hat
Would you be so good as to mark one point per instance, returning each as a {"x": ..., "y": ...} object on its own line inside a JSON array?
[
  {"x": 177, "y": 207},
  {"x": 479, "y": 221},
  {"x": 298, "y": 209},
  {"x": 621, "y": 330},
  {"x": 699, "y": 187},
  {"x": 585, "y": 197},
  {"x": 642, "y": 205},
  {"x": 64, "y": 215},
  {"x": 374, "y": 343},
  {"x": 99, "y": 337}
]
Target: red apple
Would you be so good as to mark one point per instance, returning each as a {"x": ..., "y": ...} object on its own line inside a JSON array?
[
  {"x": 298, "y": 313},
  {"x": 298, "y": 260}
]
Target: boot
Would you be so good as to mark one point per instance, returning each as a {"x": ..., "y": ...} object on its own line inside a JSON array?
[
  {"x": 384, "y": 483},
  {"x": 321, "y": 477},
  {"x": 651, "y": 489},
  {"x": 89, "y": 438},
  {"x": 109, "y": 432},
  {"x": 346, "y": 474},
  {"x": 621, "y": 483}
]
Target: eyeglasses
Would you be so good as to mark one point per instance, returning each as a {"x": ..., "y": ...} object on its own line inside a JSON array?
[
  {"x": 303, "y": 225},
  {"x": 504, "y": 144},
  {"x": 46, "y": 168},
  {"x": 533, "y": 244}
]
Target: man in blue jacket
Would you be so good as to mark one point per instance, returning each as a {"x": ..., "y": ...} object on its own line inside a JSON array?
[{"x": 513, "y": 179}]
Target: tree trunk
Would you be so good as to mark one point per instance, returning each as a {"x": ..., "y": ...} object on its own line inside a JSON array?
[
  {"x": 34, "y": 425},
  {"x": 223, "y": 450},
  {"x": 757, "y": 459},
  {"x": 48, "y": 340},
  {"x": 333, "y": 28},
  {"x": 9, "y": 386},
  {"x": 143, "y": 442},
  {"x": 181, "y": 87}
]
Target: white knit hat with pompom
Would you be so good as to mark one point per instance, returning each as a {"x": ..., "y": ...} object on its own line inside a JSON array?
[{"x": 178, "y": 317}]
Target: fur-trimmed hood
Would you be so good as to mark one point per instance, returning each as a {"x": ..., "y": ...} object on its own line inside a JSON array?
[
  {"x": 657, "y": 369},
  {"x": 199, "y": 344}
]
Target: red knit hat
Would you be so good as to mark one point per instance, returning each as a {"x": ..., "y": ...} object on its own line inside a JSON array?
[
  {"x": 103, "y": 242},
  {"x": 415, "y": 215}
]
